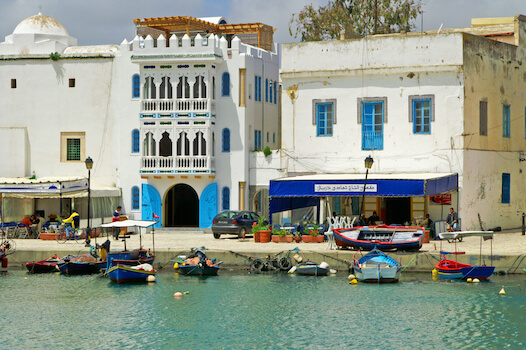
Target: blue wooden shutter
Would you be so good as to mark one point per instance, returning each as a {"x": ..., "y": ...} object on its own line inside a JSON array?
[
  {"x": 208, "y": 206},
  {"x": 151, "y": 204},
  {"x": 136, "y": 86}
]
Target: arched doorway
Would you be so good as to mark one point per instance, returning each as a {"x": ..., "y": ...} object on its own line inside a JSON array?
[
  {"x": 260, "y": 203},
  {"x": 181, "y": 207}
]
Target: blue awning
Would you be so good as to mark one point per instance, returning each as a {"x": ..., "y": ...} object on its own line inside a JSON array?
[{"x": 399, "y": 185}]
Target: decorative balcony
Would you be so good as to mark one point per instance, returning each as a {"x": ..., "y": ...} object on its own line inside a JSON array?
[
  {"x": 198, "y": 107},
  {"x": 372, "y": 140},
  {"x": 178, "y": 164}
]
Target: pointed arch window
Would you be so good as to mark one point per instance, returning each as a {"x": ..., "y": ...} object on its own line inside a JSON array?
[
  {"x": 135, "y": 141},
  {"x": 199, "y": 87},
  {"x": 183, "y": 144},
  {"x": 199, "y": 144},
  {"x": 135, "y": 198},
  {"x": 165, "y": 145},
  {"x": 225, "y": 84},
  {"x": 226, "y": 198},
  {"x": 149, "y": 144},
  {"x": 183, "y": 88},
  {"x": 149, "y": 88},
  {"x": 226, "y": 140},
  {"x": 213, "y": 88},
  {"x": 136, "y": 86},
  {"x": 166, "y": 88}
]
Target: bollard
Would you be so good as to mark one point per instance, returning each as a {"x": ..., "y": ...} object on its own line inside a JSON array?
[{"x": 523, "y": 225}]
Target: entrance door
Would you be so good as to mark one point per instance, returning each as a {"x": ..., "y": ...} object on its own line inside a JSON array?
[
  {"x": 182, "y": 207},
  {"x": 398, "y": 210}
]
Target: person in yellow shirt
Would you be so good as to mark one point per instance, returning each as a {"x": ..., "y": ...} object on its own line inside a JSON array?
[{"x": 72, "y": 223}]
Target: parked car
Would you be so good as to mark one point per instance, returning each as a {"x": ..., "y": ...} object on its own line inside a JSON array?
[{"x": 234, "y": 222}]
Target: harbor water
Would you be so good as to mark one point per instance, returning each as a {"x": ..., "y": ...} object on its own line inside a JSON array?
[{"x": 238, "y": 310}]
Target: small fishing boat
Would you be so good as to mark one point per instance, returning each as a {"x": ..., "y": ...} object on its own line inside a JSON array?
[
  {"x": 84, "y": 264},
  {"x": 127, "y": 274},
  {"x": 377, "y": 267},
  {"x": 197, "y": 264},
  {"x": 43, "y": 266},
  {"x": 451, "y": 269},
  {"x": 384, "y": 237},
  {"x": 310, "y": 268}
]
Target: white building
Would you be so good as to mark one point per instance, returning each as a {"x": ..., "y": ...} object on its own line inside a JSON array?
[
  {"x": 169, "y": 122},
  {"x": 429, "y": 108}
]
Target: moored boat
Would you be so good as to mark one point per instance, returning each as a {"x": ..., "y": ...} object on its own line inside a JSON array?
[
  {"x": 84, "y": 264},
  {"x": 43, "y": 266},
  {"x": 383, "y": 237},
  {"x": 377, "y": 267},
  {"x": 128, "y": 274},
  {"x": 310, "y": 268},
  {"x": 197, "y": 264}
]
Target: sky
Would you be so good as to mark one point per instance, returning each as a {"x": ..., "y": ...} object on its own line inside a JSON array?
[{"x": 98, "y": 22}]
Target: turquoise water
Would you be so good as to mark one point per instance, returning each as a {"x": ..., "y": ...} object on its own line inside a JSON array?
[{"x": 243, "y": 311}]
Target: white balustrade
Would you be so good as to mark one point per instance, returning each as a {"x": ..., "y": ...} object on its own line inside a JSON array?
[
  {"x": 177, "y": 105},
  {"x": 177, "y": 163}
]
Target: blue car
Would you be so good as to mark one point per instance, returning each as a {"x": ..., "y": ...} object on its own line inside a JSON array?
[{"x": 234, "y": 222}]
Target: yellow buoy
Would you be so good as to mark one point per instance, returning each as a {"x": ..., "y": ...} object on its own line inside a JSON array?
[
  {"x": 502, "y": 291},
  {"x": 176, "y": 266},
  {"x": 150, "y": 278},
  {"x": 476, "y": 280},
  {"x": 469, "y": 280},
  {"x": 434, "y": 272},
  {"x": 353, "y": 281},
  {"x": 178, "y": 295}
]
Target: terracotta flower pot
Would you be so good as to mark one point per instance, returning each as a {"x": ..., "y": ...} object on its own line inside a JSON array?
[
  {"x": 284, "y": 239},
  {"x": 275, "y": 238},
  {"x": 264, "y": 236},
  {"x": 257, "y": 237},
  {"x": 313, "y": 239},
  {"x": 297, "y": 239}
]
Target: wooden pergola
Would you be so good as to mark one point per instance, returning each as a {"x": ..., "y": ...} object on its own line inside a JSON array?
[{"x": 187, "y": 24}]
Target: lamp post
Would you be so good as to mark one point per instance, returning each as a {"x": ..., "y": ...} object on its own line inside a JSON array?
[
  {"x": 89, "y": 166},
  {"x": 368, "y": 164}
]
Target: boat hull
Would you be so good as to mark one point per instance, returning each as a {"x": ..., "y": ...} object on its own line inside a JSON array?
[
  {"x": 450, "y": 269},
  {"x": 312, "y": 270},
  {"x": 126, "y": 274},
  {"x": 375, "y": 275},
  {"x": 80, "y": 268},
  {"x": 382, "y": 237},
  {"x": 196, "y": 270},
  {"x": 41, "y": 267}
]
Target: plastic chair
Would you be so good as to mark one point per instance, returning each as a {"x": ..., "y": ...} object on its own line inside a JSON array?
[{"x": 23, "y": 232}]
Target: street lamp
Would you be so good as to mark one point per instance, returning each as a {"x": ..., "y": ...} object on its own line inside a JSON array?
[
  {"x": 368, "y": 164},
  {"x": 89, "y": 166}
]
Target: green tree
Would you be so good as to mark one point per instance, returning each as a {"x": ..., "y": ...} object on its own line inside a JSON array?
[{"x": 354, "y": 16}]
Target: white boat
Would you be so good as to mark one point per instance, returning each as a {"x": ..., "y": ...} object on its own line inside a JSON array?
[{"x": 377, "y": 267}]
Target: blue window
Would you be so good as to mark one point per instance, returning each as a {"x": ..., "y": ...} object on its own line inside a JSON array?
[
  {"x": 226, "y": 198},
  {"x": 135, "y": 198},
  {"x": 135, "y": 141},
  {"x": 505, "y": 188},
  {"x": 273, "y": 137},
  {"x": 268, "y": 135},
  {"x": 257, "y": 140},
  {"x": 257, "y": 91},
  {"x": 422, "y": 116},
  {"x": 372, "y": 125},
  {"x": 225, "y": 90},
  {"x": 275, "y": 92},
  {"x": 136, "y": 86},
  {"x": 506, "y": 121},
  {"x": 226, "y": 140},
  {"x": 324, "y": 119},
  {"x": 266, "y": 90},
  {"x": 270, "y": 91}
]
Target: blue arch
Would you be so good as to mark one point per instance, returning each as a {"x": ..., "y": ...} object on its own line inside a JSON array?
[
  {"x": 225, "y": 84},
  {"x": 208, "y": 205},
  {"x": 136, "y": 86},
  {"x": 226, "y": 198},
  {"x": 135, "y": 141},
  {"x": 135, "y": 198},
  {"x": 226, "y": 140},
  {"x": 151, "y": 204}
]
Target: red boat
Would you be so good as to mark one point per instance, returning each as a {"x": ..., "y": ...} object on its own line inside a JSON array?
[
  {"x": 43, "y": 266},
  {"x": 450, "y": 269}
]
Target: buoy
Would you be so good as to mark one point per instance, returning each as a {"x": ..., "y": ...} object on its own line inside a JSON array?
[
  {"x": 293, "y": 269},
  {"x": 502, "y": 291},
  {"x": 332, "y": 271},
  {"x": 178, "y": 295},
  {"x": 469, "y": 280},
  {"x": 351, "y": 277},
  {"x": 25, "y": 278},
  {"x": 476, "y": 280},
  {"x": 353, "y": 281},
  {"x": 187, "y": 292},
  {"x": 176, "y": 266},
  {"x": 324, "y": 265},
  {"x": 434, "y": 272}
]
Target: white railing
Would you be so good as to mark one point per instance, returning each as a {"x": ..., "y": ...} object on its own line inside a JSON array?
[
  {"x": 179, "y": 105},
  {"x": 177, "y": 164}
]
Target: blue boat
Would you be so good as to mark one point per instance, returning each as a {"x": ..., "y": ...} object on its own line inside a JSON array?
[
  {"x": 377, "y": 267},
  {"x": 382, "y": 237},
  {"x": 83, "y": 264},
  {"x": 310, "y": 268},
  {"x": 129, "y": 274}
]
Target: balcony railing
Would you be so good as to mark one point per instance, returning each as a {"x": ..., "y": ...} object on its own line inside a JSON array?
[
  {"x": 196, "y": 105},
  {"x": 177, "y": 164},
  {"x": 372, "y": 140}
]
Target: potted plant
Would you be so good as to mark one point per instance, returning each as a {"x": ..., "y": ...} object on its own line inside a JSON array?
[
  {"x": 261, "y": 231},
  {"x": 281, "y": 236},
  {"x": 297, "y": 236},
  {"x": 311, "y": 235}
]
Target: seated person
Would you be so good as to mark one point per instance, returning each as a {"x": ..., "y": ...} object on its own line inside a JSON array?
[
  {"x": 427, "y": 222},
  {"x": 373, "y": 219},
  {"x": 26, "y": 221}
]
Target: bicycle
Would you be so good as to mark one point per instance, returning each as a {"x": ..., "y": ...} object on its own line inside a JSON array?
[
  {"x": 61, "y": 236},
  {"x": 7, "y": 246}
]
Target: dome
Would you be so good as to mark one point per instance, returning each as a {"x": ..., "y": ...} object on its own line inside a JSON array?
[{"x": 40, "y": 24}]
